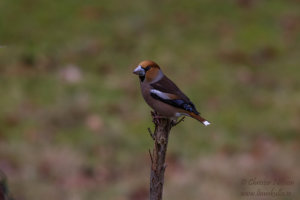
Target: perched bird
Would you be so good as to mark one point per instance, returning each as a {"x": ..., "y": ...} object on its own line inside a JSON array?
[{"x": 163, "y": 95}]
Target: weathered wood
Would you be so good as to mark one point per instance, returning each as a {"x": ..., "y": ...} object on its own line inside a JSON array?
[{"x": 158, "y": 156}]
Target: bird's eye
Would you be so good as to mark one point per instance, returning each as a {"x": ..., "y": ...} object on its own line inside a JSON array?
[{"x": 147, "y": 68}]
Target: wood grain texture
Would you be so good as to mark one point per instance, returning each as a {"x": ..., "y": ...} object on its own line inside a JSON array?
[{"x": 158, "y": 156}]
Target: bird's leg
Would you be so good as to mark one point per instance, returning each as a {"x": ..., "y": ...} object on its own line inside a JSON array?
[{"x": 156, "y": 117}]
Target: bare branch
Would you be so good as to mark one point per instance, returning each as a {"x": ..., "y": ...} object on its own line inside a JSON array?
[
  {"x": 176, "y": 123},
  {"x": 158, "y": 156},
  {"x": 150, "y": 156},
  {"x": 151, "y": 134}
]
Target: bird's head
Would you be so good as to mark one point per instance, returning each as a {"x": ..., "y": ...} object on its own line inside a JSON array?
[{"x": 149, "y": 70}]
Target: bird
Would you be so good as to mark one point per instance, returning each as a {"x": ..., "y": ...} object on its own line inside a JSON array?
[{"x": 162, "y": 95}]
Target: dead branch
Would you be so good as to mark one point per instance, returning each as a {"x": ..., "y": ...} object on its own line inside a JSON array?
[{"x": 158, "y": 156}]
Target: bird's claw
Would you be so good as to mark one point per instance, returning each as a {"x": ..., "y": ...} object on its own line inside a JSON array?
[{"x": 156, "y": 117}]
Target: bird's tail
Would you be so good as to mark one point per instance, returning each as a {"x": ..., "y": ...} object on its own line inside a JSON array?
[{"x": 201, "y": 119}]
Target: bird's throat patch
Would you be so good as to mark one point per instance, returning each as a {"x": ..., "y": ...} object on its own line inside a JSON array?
[{"x": 142, "y": 78}]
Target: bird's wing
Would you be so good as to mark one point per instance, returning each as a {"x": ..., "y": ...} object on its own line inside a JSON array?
[
  {"x": 166, "y": 91},
  {"x": 167, "y": 86}
]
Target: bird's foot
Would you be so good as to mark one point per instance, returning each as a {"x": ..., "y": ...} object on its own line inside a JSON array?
[{"x": 156, "y": 118}]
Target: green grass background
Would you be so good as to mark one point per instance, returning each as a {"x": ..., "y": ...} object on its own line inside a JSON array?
[{"x": 86, "y": 138}]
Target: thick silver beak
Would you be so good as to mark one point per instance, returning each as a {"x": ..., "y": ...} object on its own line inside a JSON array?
[{"x": 139, "y": 71}]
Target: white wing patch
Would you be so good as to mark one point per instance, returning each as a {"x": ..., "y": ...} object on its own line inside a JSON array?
[
  {"x": 160, "y": 94},
  {"x": 181, "y": 114}
]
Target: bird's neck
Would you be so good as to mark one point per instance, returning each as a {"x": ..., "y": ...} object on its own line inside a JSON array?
[{"x": 158, "y": 77}]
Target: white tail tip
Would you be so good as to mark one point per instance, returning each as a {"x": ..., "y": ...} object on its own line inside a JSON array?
[{"x": 206, "y": 123}]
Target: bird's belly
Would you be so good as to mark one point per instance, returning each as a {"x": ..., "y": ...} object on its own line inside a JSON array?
[{"x": 160, "y": 107}]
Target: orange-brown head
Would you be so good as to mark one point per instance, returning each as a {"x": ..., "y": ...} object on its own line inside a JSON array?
[{"x": 148, "y": 69}]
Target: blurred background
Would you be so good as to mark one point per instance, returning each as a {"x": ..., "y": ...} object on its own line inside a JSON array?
[{"x": 73, "y": 124}]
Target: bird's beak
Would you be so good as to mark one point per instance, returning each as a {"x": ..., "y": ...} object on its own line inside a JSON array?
[{"x": 139, "y": 71}]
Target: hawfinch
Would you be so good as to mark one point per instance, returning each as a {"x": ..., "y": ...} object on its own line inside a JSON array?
[{"x": 163, "y": 95}]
